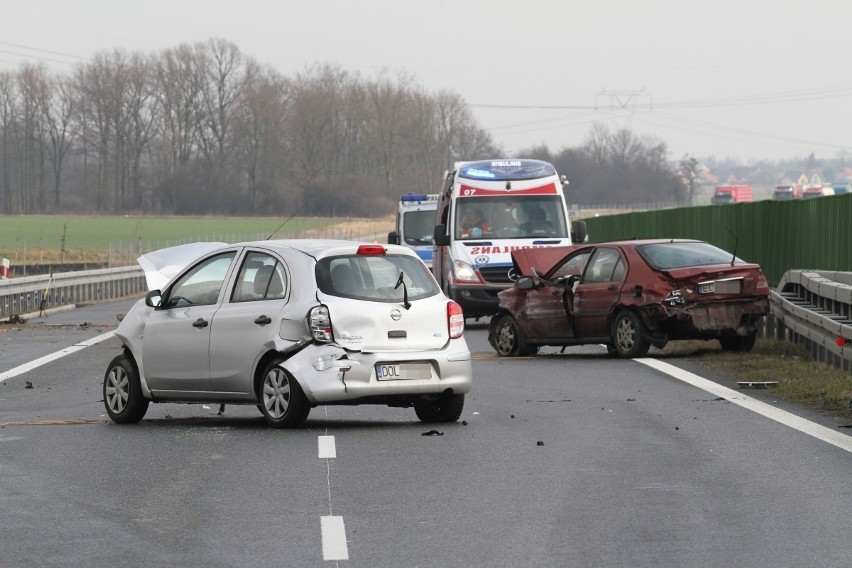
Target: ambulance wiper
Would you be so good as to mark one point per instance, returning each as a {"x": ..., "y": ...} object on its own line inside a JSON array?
[{"x": 405, "y": 303}]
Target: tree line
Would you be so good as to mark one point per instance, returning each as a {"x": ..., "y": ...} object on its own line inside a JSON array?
[{"x": 205, "y": 129}]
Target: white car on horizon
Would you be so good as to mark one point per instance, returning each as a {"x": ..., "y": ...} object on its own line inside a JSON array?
[{"x": 288, "y": 325}]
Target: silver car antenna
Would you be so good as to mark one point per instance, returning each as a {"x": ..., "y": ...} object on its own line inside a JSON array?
[{"x": 286, "y": 220}]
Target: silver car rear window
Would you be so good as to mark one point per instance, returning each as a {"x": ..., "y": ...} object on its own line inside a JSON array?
[{"x": 375, "y": 278}]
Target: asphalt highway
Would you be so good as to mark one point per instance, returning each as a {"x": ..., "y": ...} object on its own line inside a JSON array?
[{"x": 565, "y": 459}]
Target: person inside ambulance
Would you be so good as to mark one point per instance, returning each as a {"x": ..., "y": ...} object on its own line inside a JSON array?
[
  {"x": 537, "y": 221},
  {"x": 473, "y": 223}
]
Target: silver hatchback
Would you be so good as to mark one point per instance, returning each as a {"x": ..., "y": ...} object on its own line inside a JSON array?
[{"x": 288, "y": 325}]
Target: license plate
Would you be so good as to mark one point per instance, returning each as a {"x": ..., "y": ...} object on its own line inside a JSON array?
[
  {"x": 403, "y": 371},
  {"x": 729, "y": 286}
]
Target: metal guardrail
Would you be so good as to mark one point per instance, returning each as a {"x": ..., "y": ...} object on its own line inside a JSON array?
[
  {"x": 25, "y": 295},
  {"x": 814, "y": 308}
]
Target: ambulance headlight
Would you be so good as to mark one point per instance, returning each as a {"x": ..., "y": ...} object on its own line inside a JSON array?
[{"x": 464, "y": 272}]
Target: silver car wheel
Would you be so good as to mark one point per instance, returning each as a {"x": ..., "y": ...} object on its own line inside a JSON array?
[
  {"x": 117, "y": 389},
  {"x": 122, "y": 391},
  {"x": 276, "y": 393}
]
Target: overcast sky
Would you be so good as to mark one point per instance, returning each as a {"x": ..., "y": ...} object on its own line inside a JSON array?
[{"x": 730, "y": 78}]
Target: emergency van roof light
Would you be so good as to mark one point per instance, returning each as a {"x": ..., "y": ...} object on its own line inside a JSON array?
[
  {"x": 413, "y": 197},
  {"x": 371, "y": 249}
]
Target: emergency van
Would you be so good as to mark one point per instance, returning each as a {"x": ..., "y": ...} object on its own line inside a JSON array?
[
  {"x": 487, "y": 209},
  {"x": 415, "y": 224}
]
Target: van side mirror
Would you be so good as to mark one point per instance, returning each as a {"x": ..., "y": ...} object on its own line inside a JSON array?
[
  {"x": 524, "y": 283},
  {"x": 440, "y": 236},
  {"x": 579, "y": 232},
  {"x": 393, "y": 238}
]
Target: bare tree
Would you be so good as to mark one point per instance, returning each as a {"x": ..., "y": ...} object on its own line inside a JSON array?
[
  {"x": 7, "y": 119},
  {"x": 318, "y": 97},
  {"x": 259, "y": 143},
  {"x": 226, "y": 72},
  {"x": 597, "y": 144},
  {"x": 386, "y": 103},
  {"x": 202, "y": 128},
  {"x": 29, "y": 129},
  {"x": 688, "y": 169},
  {"x": 141, "y": 123},
  {"x": 60, "y": 108}
]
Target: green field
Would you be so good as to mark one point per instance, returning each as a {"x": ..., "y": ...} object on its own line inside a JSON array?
[{"x": 35, "y": 239}]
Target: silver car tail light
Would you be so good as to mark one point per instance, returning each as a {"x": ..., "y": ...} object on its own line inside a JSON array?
[
  {"x": 320, "y": 322},
  {"x": 455, "y": 320}
]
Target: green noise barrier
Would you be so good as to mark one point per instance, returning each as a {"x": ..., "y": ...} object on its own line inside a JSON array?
[{"x": 779, "y": 235}]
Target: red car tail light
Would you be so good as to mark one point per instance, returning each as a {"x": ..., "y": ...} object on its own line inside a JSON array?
[{"x": 455, "y": 320}]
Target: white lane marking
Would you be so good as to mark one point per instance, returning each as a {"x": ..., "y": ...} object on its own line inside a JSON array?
[
  {"x": 333, "y": 538},
  {"x": 26, "y": 367},
  {"x": 326, "y": 448},
  {"x": 842, "y": 441}
]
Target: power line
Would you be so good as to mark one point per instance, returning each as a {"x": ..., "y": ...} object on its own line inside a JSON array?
[
  {"x": 6, "y": 51},
  {"x": 761, "y": 99},
  {"x": 19, "y": 46},
  {"x": 27, "y": 57}
]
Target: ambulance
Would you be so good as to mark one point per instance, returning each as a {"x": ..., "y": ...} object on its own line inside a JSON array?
[
  {"x": 486, "y": 209},
  {"x": 415, "y": 223}
]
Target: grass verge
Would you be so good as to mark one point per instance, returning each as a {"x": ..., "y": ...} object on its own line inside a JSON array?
[{"x": 800, "y": 379}]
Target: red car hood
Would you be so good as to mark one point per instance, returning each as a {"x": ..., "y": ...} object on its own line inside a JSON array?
[{"x": 542, "y": 259}]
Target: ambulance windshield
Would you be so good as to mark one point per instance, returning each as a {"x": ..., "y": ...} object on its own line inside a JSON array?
[
  {"x": 510, "y": 217},
  {"x": 418, "y": 227}
]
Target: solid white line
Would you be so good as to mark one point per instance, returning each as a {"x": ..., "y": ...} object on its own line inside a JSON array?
[
  {"x": 834, "y": 438},
  {"x": 26, "y": 367},
  {"x": 333, "y": 538},
  {"x": 326, "y": 448}
]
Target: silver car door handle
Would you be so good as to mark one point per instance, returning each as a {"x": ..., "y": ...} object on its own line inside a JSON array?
[
  {"x": 199, "y": 323},
  {"x": 263, "y": 320}
]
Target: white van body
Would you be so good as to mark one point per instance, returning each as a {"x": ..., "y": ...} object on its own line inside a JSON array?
[
  {"x": 415, "y": 224},
  {"x": 472, "y": 265}
]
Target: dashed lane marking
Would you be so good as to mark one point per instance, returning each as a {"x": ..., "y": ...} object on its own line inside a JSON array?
[
  {"x": 333, "y": 538},
  {"x": 326, "y": 448}
]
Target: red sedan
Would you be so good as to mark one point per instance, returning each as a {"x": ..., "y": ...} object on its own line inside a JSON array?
[{"x": 629, "y": 295}]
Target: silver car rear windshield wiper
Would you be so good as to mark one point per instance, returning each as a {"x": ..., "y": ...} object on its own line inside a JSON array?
[{"x": 406, "y": 304}]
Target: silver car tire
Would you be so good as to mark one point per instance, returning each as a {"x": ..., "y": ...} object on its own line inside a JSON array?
[
  {"x": 123, "y": 398},
  {"x": 447, "y": 408},
  {"x": 282, "y": 402},
  {"x": 628, "y": 335}
]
